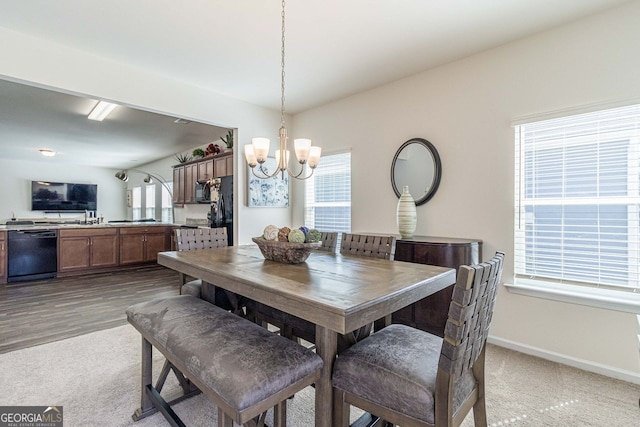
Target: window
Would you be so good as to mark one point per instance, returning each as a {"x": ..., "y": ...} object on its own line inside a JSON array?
[
  {"x": 167, "y": 203},
  {"x": 136, "y": 202},
  {"x": 578, "y": 200},
  {"x": 328, "y": 194},
  {"x": 150, "y": 201}
]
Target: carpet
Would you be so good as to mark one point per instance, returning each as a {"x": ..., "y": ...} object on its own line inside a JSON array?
[{"x": 95, "y": 377}]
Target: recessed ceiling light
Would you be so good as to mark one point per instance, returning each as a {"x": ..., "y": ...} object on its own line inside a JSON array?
[
  {"x": 101, "y": 110},
  {"x": 47, "y": 153}
]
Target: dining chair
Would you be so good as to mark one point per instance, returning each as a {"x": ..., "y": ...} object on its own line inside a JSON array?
[
  {"x": 412, "y": 378},
  {"x": 368, "y": 245},
  {"x": 329, "y": 241},
  {"x": 192, "y": 239}
]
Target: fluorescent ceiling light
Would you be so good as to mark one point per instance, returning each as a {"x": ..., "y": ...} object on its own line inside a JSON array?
[
  {"x": 47, "y": 153},
  {"x": 101, "y": 110}
]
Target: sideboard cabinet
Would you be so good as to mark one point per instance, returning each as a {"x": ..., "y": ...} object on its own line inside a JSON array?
[{"x": 430, "y": 314}]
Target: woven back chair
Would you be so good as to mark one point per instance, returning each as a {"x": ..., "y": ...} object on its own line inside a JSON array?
[
  {"x": 329, "y": 241},
  {"x": 368, "y": 246},
  {"x": 191, "y": 239},
  {"x": 410, "y": 377}
]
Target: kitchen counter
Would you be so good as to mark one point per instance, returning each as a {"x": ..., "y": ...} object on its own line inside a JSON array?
[{"x": 62, "y": 225}]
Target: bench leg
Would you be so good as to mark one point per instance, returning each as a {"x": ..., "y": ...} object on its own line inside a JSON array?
[
  {"x": 224, "y": 420},
  {"x": 146, "y": 406},
  {"x": 280, "y": 414}
]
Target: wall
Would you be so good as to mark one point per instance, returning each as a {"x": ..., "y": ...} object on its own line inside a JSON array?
[
  {"x": 15, "y": 191},
  {"x": 465, "y": 109},
  {"x": 41, "y": 63}
]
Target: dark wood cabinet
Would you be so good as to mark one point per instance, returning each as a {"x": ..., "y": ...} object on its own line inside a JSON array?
[
  {"x": 3, "y": 257},
  {"x": 87, "y": 248},
  {"x": 178, "y": 185},
  {"x": 186, "y": 175},
  {"x": 142, "y": 244},
  {"x": 430, "y": 314}
]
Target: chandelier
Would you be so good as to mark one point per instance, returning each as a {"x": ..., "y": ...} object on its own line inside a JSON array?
[{"x": 257, "y": 152}]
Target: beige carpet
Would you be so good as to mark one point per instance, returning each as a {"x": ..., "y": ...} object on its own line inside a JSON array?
[{"x": 95, "y": 377}]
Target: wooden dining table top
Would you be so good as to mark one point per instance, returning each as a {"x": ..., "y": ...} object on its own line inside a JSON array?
[{"x": 339, "y": 292}]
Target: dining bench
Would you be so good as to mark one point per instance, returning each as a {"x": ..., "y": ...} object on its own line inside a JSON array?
[{"x": 241, "y": 367}]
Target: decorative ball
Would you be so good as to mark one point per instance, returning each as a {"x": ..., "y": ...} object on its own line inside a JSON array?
[
  {"x": 313, "y": 236},
  {"x": 283, "y": 234},
  {"x": 270, "y": 232},
  {"x": 304, "y": 229},
  {"x": 296, "y": 236}
]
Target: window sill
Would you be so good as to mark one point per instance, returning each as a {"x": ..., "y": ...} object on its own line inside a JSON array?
[{"x": 611, "y": 300}]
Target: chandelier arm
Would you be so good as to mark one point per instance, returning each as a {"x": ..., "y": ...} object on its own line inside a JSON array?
[{"x": 297, "y": 176}]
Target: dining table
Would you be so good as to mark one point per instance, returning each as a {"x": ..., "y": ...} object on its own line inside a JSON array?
[{"x": 338, "y": 293}]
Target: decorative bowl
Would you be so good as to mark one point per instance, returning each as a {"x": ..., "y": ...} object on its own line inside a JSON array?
[{"x": 286, "y": 252}]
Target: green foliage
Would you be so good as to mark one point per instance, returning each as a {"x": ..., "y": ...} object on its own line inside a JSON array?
[
  {"x": 182, "y": 158},
  {"x": 228, "y": 139},
  {"x": 198, "y": 153}
]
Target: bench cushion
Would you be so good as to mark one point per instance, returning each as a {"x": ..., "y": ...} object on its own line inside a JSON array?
[
  {"x": 396, "y": 368},
  {"x": 238, "y": 360}
]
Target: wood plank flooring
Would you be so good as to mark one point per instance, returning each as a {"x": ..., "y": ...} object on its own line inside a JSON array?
[{"x": 42, "y": 311}]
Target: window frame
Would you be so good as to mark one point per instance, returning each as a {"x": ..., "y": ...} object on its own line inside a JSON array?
[{"x": 608, "y": 297}]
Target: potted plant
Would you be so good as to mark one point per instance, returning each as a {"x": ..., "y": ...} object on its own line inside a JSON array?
[
  {"x": 198, "y": 153},
  {"x": 228, "y": 139},
  {"x": 182, "y": 158}
]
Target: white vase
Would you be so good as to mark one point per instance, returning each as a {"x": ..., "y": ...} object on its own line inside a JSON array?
[{"x": 406, "y": 214}]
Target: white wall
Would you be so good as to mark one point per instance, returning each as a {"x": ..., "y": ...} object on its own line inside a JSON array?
[
  {"x": 41, "y": 63},
  {"x": 15, "y": 191},
  {"x": 465, "y": 109}
]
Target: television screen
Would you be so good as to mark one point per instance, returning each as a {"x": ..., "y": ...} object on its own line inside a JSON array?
[{"x": 60, "y": 196}]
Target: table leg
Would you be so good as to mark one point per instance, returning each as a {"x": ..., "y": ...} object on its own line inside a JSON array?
[{"x": 326, "y": 348}]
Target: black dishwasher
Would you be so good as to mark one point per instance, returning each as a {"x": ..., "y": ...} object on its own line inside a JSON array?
[{"x": 32, "y": 255}]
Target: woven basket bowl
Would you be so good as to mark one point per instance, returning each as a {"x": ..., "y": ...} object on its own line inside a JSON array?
[{"x": 285, "y": 252}]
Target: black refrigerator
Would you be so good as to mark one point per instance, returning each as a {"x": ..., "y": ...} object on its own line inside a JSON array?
[{"x": 221, "y": 212}]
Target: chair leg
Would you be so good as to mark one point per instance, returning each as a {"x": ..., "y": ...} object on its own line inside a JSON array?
[
  {"x": 479, "y": 408},
  {"x": 341, "y": 409}
]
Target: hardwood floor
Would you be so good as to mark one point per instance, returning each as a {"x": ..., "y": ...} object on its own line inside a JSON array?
[{"x": 42, "y": 311}]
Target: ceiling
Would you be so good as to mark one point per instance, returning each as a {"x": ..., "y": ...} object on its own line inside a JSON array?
[{"x": 334, "y": 48}]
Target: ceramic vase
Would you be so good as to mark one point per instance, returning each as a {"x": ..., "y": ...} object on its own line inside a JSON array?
[{"x": 406, "y": 214}]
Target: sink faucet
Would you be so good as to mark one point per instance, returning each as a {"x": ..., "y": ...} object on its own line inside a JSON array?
[{"x": 86, "y": 214}]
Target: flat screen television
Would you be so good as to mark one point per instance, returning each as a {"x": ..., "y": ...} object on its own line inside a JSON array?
[{"x": 62, "y": 196}]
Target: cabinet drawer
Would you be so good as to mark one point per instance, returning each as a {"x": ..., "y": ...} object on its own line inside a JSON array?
[
  {"x": 143, "y": 230},
  {"x": 87, "y": 232}
]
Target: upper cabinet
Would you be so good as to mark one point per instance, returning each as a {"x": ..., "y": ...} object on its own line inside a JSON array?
[{"x": 186, "y": 175}]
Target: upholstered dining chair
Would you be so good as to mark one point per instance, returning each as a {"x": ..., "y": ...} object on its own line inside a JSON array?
[
  {"x": 409, "y": 377},
  {"x": 329, "y": 241},
  {"x": 368, "y": 245},
  {"x": 192, "y": 239}
]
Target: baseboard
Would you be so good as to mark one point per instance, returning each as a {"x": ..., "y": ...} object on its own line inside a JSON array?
[{"x": 586, "y": 365}]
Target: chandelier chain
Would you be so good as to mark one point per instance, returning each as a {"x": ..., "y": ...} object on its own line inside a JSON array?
[{"x": 282, "y": 73}]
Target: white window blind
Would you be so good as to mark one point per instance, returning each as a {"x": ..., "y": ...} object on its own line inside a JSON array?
[
  {"x": 136, "y": 202},
  {"x": 328, "y": 194},
  {"x": 578, "y": 200},
  {"x": 167, "y": 212},
  {"x": 150, "y": 201}
]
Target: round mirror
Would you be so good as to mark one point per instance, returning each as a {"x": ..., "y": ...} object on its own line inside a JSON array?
[{"x": 417, "y": 165}]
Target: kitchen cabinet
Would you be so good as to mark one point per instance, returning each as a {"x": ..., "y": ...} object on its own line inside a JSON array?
[
  {"x": 142, "y": 244},
  {"x": 87, "y": 248},
  {"x": 186, "y": 175},
  {"x": 3, "y": 257},
  {"x": 223, "y": 165},
  {"x": 430, "y": 314},
  {"x": 205, "y": 169},
  {"x": 178, "y": 185}
]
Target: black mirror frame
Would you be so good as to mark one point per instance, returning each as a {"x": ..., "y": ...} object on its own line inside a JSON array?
[{"x": 437, "y": 169}]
